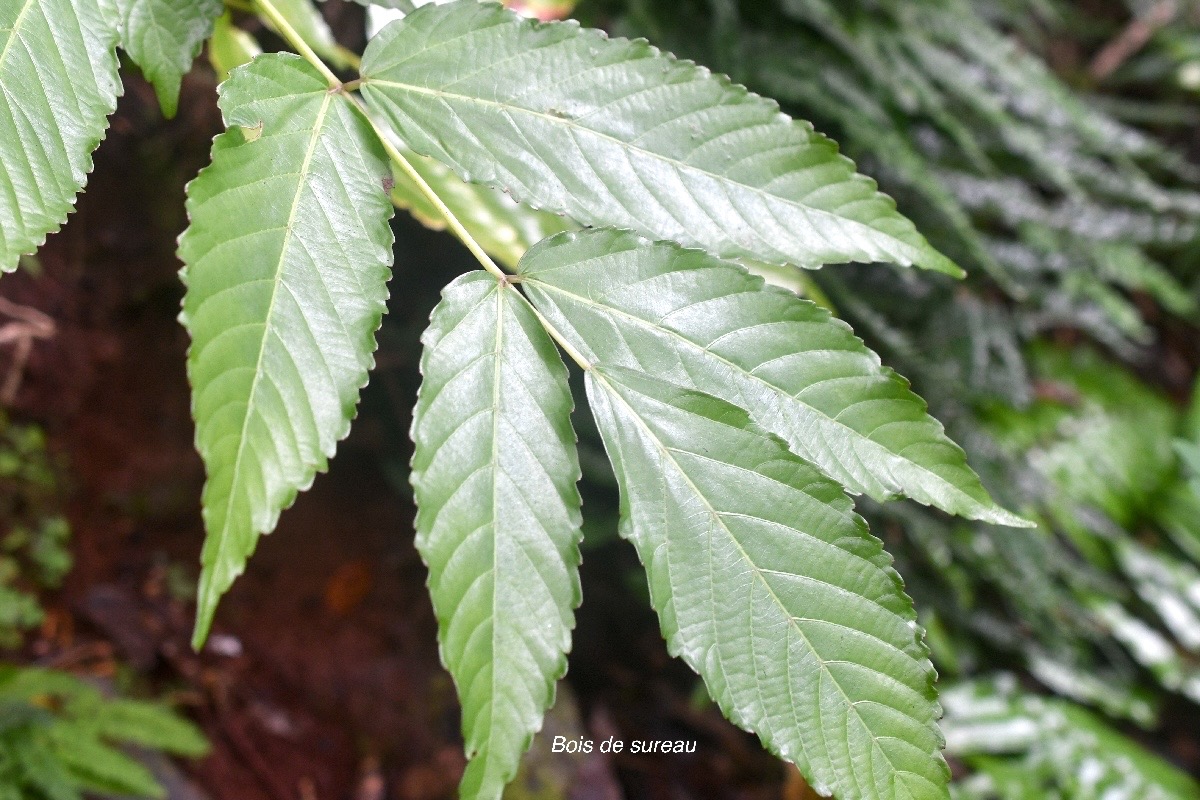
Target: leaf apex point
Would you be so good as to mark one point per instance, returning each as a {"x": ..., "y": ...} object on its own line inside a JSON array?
[
  {"x": 934, "y": 261},
  {"x": 201, "y": 630}
]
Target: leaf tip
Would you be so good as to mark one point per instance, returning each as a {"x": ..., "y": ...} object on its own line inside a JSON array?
[
  {"x": 167, "y": 93},
  {"x": 936, "y": 262},
  {"x": 200, "y": 632},
  {"x": 206, "y": 608},
  {"x": 996, "y": 515}
]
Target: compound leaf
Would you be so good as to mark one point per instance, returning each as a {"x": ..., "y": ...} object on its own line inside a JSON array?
[
  {"x": 287, "y": 257},
  {"x": 770, "y": 587},
  {"x": 800, "y": 373},
  {"x": 58, "y": 84},
  {"x": 494, "y": 474},
  {"x": 163, "y": 37},
  {"x": 614, "y": 132}
]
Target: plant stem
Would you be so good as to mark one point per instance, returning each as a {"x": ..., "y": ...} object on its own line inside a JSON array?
[
  {"x": 451, "y": 219},
  {"x": 1133, "y": 38},
  {"x": 460, "y": 230},
  {"x": 567, "y": 347},
  {"x": 280, "y": 23},
  {"x": 463, "y": 234},
  {"x": 295, "y": 40},
  {"x": 349, "y": 56}
]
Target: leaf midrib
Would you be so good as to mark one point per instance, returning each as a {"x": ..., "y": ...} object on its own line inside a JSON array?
[
  {"x": 497, "y": 353},
  {"x": 318, "y": 125},
  {"x": 486, "y": 749},
  {"x": 647, "y": 325},
  {"x": 851, "y": 707},
  {"x": 910, "y": 251}
]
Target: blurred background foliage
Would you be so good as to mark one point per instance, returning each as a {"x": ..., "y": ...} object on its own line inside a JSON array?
[
  {"x": 61, "y": 736},
  {"x": 34, "y": 536},
  {"x": 1052, "y": 148}
]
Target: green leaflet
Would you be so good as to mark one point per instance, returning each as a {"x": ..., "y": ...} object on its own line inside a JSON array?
[
  {"x": 502, "y": 226},
  {"x": 230, "y": 47},
  {"x": 150, "y": 725},
  {"x": 802, "y": 374},
  {"x": 163, "y": 37},
  {"x": 287, "y": 256},
  {"x": 33, "y": 767},
  {"x": 771, "y": 588},
  {"x": 614, "y": 132},
  {"x": 494, "y": 473},
  {"x": 58, "y": 84}
]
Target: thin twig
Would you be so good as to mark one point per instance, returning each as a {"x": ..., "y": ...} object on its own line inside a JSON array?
[
  {"x": 1132, "y": 39},
  {"x": 28, "y": 324},
  {"x": 297, "y": 41},
  {"x": 385, "y": 137},
  {"x": 280, "y": 23}
]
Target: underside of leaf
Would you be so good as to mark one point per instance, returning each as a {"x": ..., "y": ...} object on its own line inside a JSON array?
[
  {"x": 494, "y": 473},
  {"x": 615, "y": 132},
  {"x": 802, "y": 374},
  {"x": 58, "y": 84},
  {"x": 771, "y": 588},
  {"x": 287, "y": 257},
  {"x": 163, "y": 37}
]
